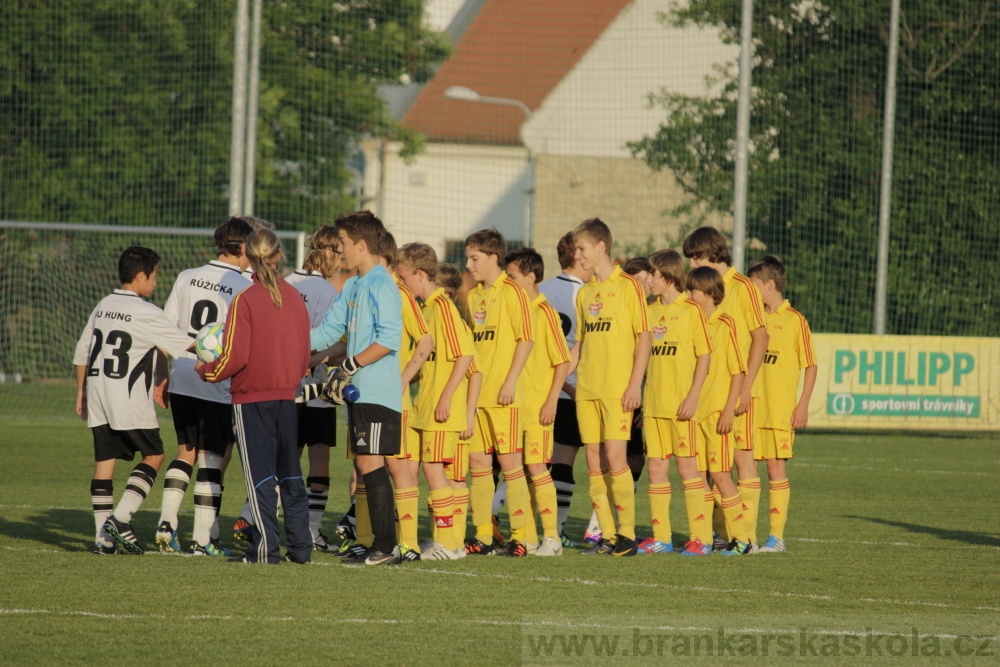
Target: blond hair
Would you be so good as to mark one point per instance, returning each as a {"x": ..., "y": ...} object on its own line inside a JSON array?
[
  {"x": 264, "y": 251},
  {"x": 419, "y": 257},
  {"x": 318, "y": 259},
  {"x": 449, "y": 278}
]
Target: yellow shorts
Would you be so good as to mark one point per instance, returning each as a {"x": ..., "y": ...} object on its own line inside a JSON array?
[
  {"x": 538, "y": 446},
  {"x": 718, "y": 450},
  {"x": 497, "y": 429},
  {"x": 603, "y": 419},
  {"x": 774, "y": 444},
  {"x": 438, "y": 446},
  {"x": 410, "y": 447},
  {"x": 459, "y": 466},
  {"x": 745, "y": 430},
  {"x": 666, "y": 437}
]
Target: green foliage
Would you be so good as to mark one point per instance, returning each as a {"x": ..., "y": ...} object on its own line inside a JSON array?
[{"x": 816, "y": 134}]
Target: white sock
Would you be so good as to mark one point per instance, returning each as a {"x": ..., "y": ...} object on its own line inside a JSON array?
[
  {"x": 175, "y": 484},
  {"x": 139, "y": 483}
]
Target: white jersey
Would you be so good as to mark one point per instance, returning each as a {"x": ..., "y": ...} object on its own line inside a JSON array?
[
  {"x": 201, "y": 296},
  {"x": 561, "y": 293},
  {"x": 118, "y": 348},
  {"x": 319, "y": 295}
]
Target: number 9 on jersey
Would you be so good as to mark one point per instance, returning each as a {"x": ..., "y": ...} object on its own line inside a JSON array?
[{"x": 208, "y": 342}]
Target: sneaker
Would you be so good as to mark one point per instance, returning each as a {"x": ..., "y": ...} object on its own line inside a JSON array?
[
  {"x": 567, "y": 543},
  {"x": 344, "y": 550},
  {"x": 625, "y": 546},
  {"x": 376, "y": 557},
  {"x": 323, "y": 544},
  {"x": 737, "y": 548},
  {"x": 718, "y": 543},
  {"x": 218, "y": 545},
  {"x": 515, "y": 549},
  {"x": 357, "y": 553},
  {"x": 602, "y": 547},
  {"x": 697, "y": 548},
  {"x": 166, "y": 539},
  {"x": 408, "y": 554},
  {"x": 437, "y": 551},
  {"x": 591, "y": 539},
  {"x": 241, "y": 530},
  {"x": 773, "y": 546},
  {"x": 123, "y": 535},
  {"x": 651, "y": 545},
  {"x": 474, "y": 547},
  {"x": 207, "y": 550},
  {"x": 345, "y": 529},
  {"x": 498, "y": 538},
  {"x": 104, "y": 549},
  {"x": 550, "y": 546},
  {"x": 459, "y": 553}
]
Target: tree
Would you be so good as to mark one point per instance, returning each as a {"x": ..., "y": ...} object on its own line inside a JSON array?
[{"x": 816, "y": 127}]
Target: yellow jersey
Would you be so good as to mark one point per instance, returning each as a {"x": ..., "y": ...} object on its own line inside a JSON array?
[
  {"x": 727, "y": 361},
  {"x": 549, "y": 351},
  {"x": 414, "y": 328},
  {"x": 745, "y": 305},
  {"x": 789, "y": 349},
  {"x": 452, "y": 340},
  {"x": 610, "y": 315},
  {"x": 501, "y": 318},
  {"x": 680, "y": 336}
]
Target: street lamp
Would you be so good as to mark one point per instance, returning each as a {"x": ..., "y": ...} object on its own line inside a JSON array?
[{"x": 464, "y": 94}]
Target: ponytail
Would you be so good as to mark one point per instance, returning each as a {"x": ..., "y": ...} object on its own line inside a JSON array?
[{"x": 264, "y": 251}]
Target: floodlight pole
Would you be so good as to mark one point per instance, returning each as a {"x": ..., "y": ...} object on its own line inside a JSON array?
[
  {"x": 740, "y": 181},
  {"x": 253, "y": 92},
  {"x": 237, "y": 148},
  {"x": 885, "y": 188}
]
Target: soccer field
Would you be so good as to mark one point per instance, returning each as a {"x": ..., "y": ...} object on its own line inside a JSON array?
[{"x": 887, "y": 534}]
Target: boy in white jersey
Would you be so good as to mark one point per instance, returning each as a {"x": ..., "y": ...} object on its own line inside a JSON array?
[
  {"x": 202, "y": 412},
  {"x": 115, "y": 359}
]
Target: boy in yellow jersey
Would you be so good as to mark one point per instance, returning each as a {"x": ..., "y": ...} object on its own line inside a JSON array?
[
  {"x": 706, "y": 246},
  {"x": 789, "y": 349},
  {"x": 544, "y": 374},
  {"x": 717, "y": 407},
  {"x": 501, "y": 330},
  {"x": 611, "y": 354},
  {"x": 442, "y": 408},
  {"x": 674, "y": 380}
]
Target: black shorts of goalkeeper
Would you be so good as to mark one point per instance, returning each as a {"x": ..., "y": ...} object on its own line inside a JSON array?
[{"x": 374, "y": 429}]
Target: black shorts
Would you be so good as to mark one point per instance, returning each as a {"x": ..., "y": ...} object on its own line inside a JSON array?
[
  {"x": 111, "y": 444},
  {"x": 317, "y": 426},
  {"x": 374, "y": 429},
  {"x": 566, "y": 430},
  {"x": 204, "y": 425},
  {"x": 636, "y": 446}
]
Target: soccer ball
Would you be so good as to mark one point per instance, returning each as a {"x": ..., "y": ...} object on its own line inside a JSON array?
[{"x": 208, "y": 342}]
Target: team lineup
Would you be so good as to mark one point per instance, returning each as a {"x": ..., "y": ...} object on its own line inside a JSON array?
[{"x": 635, "y": 364}]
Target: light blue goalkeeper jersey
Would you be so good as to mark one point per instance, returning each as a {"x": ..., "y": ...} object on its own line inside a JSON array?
[{"x": 369, "y": 310}]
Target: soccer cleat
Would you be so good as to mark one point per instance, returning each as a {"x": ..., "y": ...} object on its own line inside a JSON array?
[
  {"x": 344, "y": 549},
  {"x": 356, "y": 553},
  {"x": 737, "y": 548},
  {"x": 288, "y": 559},
  {"x": 323, "y": 544},
  {"x": 624, "y": 546},
  {"x": 345, "y": 529},
  {"x": 697, "y": 548},
  {"x": 718, "y": 543},
  {"x": 515, "y": 549},
  {"x": 549, "y": 546},
  {"x": 408, "y": 554},
  {"x": 104, "y": 549},
  {"x": 568, "y": 543},
  {"x": 123, "y": 535},
  {"x": 498, "y": 538},
  {"x": 241, "y": 530},
  {"x": 474, "y": 547},
  {"x": 376, "y": 557},
  {"x": 437, "y": 551},
  {"x": 602, "y": 547},
  {"x": 218, "y": 545},
  {"x": 590, "y": 539},
  {"x": 207, "y": 550},
  {"x": 166, "y": 539},
  {"x": 772, "y": 546},
  {"x": 651, "y": 545}
]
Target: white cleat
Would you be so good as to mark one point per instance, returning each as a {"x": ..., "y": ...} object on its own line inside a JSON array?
[{"x": 550, "y": 546}]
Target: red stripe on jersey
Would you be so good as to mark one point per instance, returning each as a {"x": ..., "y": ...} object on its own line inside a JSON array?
[
  {"x": 806, "y": 337},
  {"x": 522, "y": 300},
  {"x": 755, "y": 300},
  {"x": 732, "y": 336},
  {"x": 642, "y": 299},
  {"x": 555, "y": 329},
  {"x": 450, "y": 334},
  {"x": 408, "y": 300},
  {"x": 701, "y": 320}
]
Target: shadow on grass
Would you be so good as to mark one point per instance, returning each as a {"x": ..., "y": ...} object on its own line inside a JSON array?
[
  {"x": 66, "y": 529},
  {"x": 964, "y": 536}
]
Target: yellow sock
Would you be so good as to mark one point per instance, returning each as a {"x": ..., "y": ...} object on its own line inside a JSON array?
[
  {"x": 518, "y": 505},
  {"x": 407, "y": 501},
  {"x": 545, "y": 500},
  {"x": 733, "y": 509},
  {"x": 694, "y": 503},
  {"x": 780, "y": 494},
  {"x": 443, "y": 504},
  {"x": 719, "y": 524},
  {"x": 708, "y": 516},
  {"x": 460, "y": 510},
  {"x": 601, "y": 505},
  {"x": 750, "y": 492},
  {"x": 531, "y": 527},
  {"x": 659, "y": 511},
  {"x": 481, "y": 497},
  {"x": 623, "y": 491},
  {"x": 362, "y": 519}
]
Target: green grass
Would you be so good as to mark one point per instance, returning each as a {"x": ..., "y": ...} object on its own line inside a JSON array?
[{"x": 887, "y": 532}]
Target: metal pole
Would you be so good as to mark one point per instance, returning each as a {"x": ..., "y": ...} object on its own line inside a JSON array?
[
  {"x": 742, "y": 138},
  {"x": 250, "y": 170},
  {"x": 300, "y": 249},
  {"x": 237, "y": 150},
  {"x": 530, "y": 232},
  {"x": 885, "y": 188}
]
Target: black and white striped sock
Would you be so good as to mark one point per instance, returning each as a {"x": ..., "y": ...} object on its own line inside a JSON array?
[
  {"x": 102, "y": 499},
  {"x": 139, "y": 483}
]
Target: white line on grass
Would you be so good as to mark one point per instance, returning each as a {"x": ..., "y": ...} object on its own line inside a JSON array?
[
  {"x": 908, "y": 471},
  {"x": 897, "y": 544}
]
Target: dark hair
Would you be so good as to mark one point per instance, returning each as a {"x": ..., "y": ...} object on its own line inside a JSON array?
[
  {"x": 566, "y": 250},
  {"x": 527, "y": 260},
  {"x": 709, "y": 244},
  {"x": 596, "y": 230},
  {"x": 364, "y": 226},
  {"x": 767, "y": 268},
  {"x": 707, "y": 280},
  {"x": 489, "y": 242},
  {"x": 670, "y": 266},
  {"x": 389, "y": 250},
  {"x": 136, "y": 260},
  {"x": 636, "y": 265},
  {"x": 450, "y": 278},
  {"x": 232, "y": 234},
  {"x": 255, "y": 223},
  {"x": 419, "y": 257}
]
